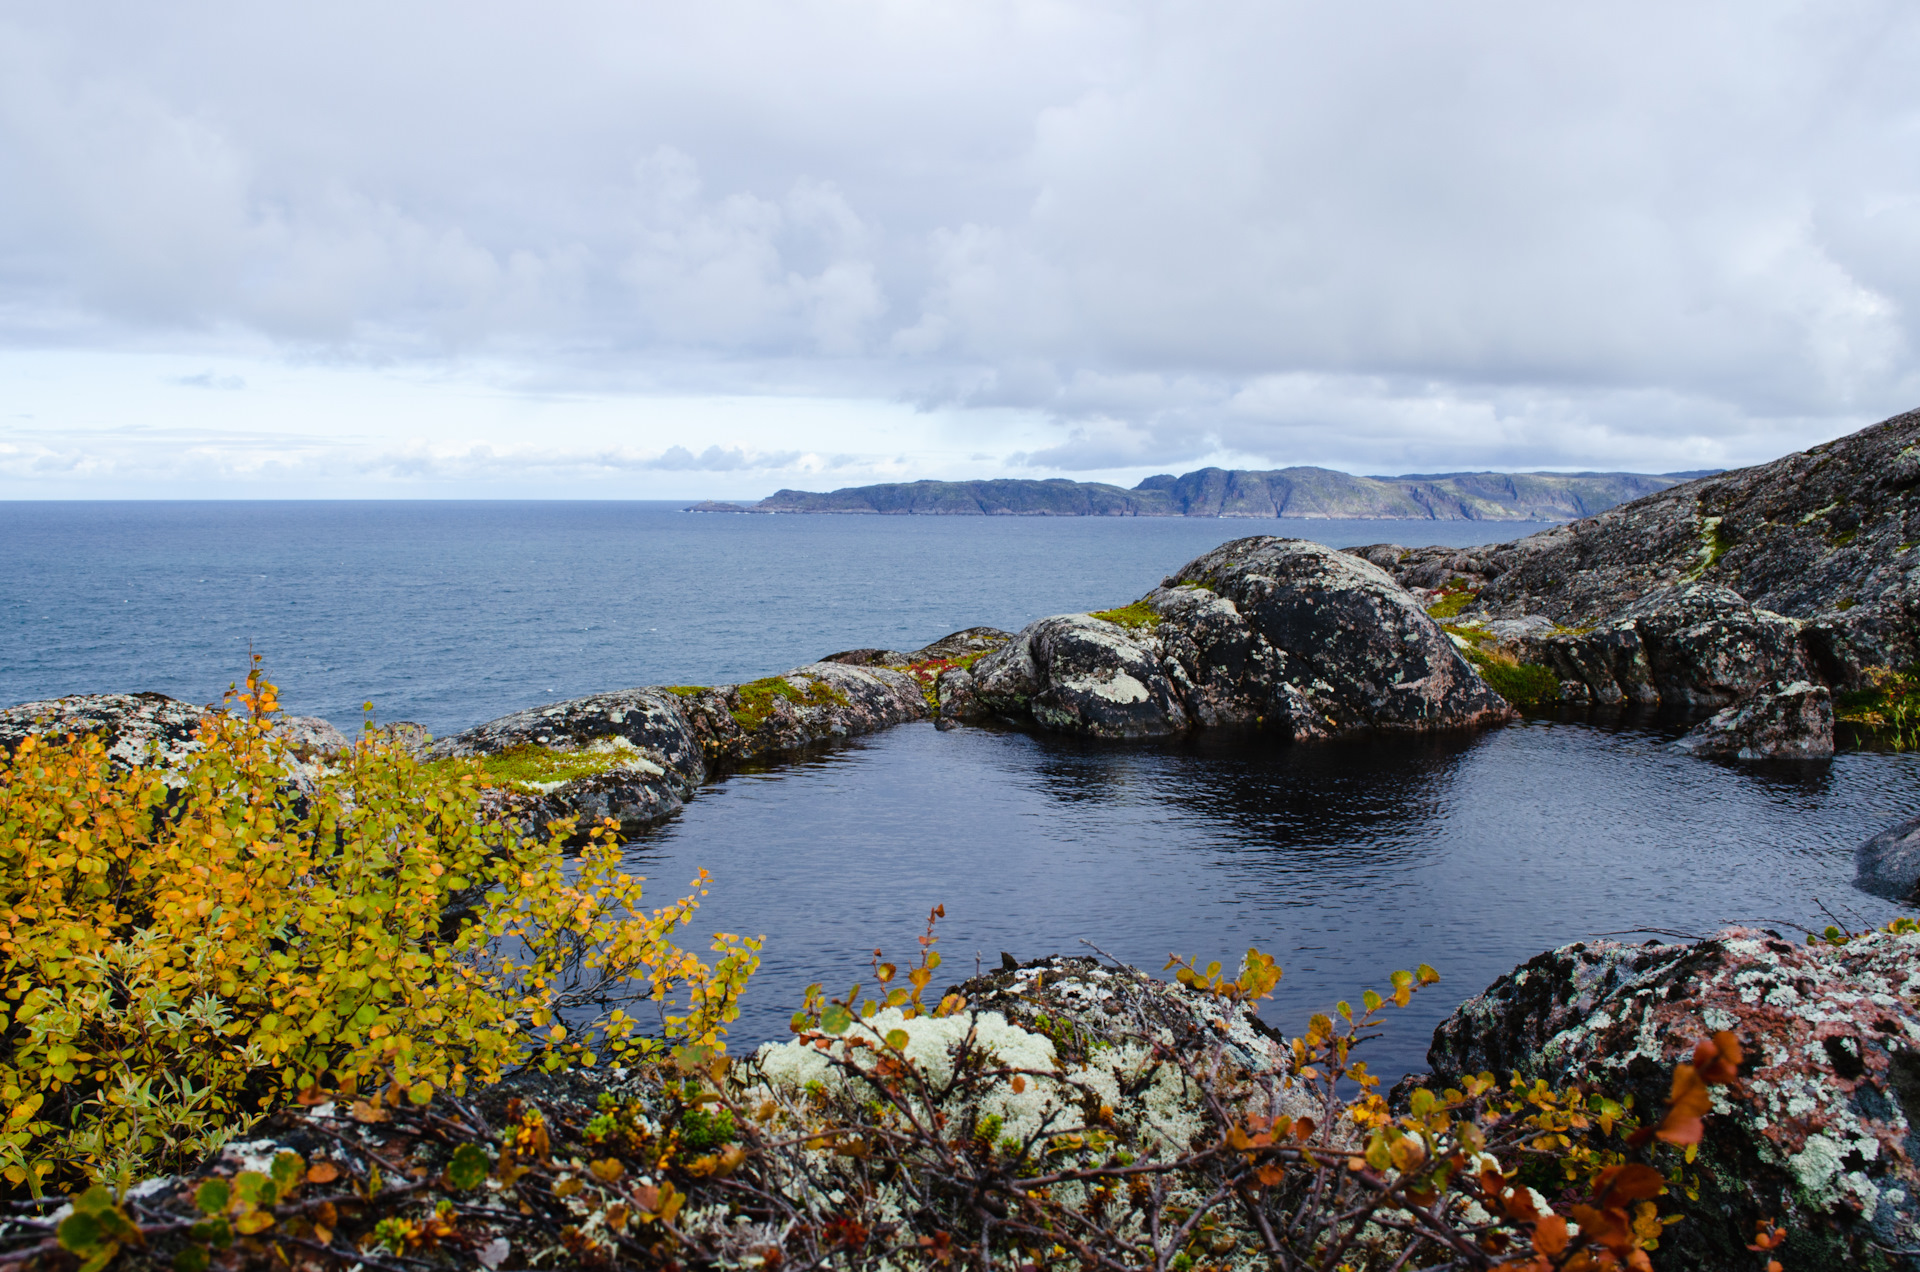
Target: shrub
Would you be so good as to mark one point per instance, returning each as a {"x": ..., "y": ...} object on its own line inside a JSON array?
[{"x": 184, "y": 950}]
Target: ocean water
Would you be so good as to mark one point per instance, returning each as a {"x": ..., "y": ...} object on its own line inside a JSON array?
[
  {"x": 1346, "y": 861},
  {"x": 451, "y": 614}
]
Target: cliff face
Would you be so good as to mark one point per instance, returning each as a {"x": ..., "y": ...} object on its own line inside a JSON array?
[
  {"x": 1824, "y": 537},
  {"x": 1221, "y": 492}
]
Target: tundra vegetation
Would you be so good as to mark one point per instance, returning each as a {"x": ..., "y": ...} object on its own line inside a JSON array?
[{"x": 435, "y": 1020}]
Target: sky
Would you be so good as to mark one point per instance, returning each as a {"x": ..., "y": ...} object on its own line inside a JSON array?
[{"x": 627, "y": 249}]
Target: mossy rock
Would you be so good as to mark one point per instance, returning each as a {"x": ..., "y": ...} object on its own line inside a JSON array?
[
  {"x": 755, "y": 700},
  {"x": 538, "y": 769},
  {"x": 1135, "y": 617}
]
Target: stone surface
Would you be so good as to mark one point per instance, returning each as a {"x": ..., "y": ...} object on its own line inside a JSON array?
[
  {"x": 820, "y": 702},
  {"x": 1790, "y": 722},
  {"x": 1282, "y": 634},
  {"x": 661, "y": 763},
  {"x": 1888, "y": 865},
  {"x": 1824, "y": 1142},
  {"x": 1823, "y": 536},
  {"x": 1078, "y": 674},
  {"x": 135, "y": 727}
]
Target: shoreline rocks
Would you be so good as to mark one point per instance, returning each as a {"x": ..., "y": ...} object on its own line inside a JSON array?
[
  {"x": 1280, "y": 634},
  {"x": 1824, "y": 1142},
  {"x": 1732, "y": 587}
]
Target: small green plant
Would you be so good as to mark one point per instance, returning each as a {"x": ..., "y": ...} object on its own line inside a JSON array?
[
  {"x": 534, "y": 768},
  {"x": 754, "y": 701},
  {"x": 1887, "y": 711},
  {"x": 702, "y": 1132},
  {"x": 1135, "y": 617},
  {"x": 1455, "y": 596}
]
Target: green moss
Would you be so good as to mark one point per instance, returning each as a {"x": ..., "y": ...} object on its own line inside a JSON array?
[
  {"x": 687, "y": 691},
  {"x": 702, "y": 1132},
  {"x": 1842, "y": 540},
  {"x": 1846, "y": 604},
  {"x": 1523, "y": 684},
  {"x": 927, "y": 673},
  {"x": 530, "y": 768},
  {"x": 1456, "y": 595},
  {"x": 1136, "y": 616},
  {"x": 756, "y": 698}
]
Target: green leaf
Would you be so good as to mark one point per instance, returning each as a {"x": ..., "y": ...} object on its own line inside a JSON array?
[
  {"x": 78, "y": 1233},
  {"x": 469, "y": 1167},
  {"x": 288, "y": 1170},
  {"x": 191, "y": 1258},
  {"x": 212, "y": 1197},
  {"x": 836, "y": 1019},
  {"x": 217, "y": 1233},
  {"x": 1372, "y": 1001},
  {"x": 897, "y": 1039}
]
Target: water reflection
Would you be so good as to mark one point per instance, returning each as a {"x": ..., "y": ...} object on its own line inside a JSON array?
[{"x": 1346, "y": 860}]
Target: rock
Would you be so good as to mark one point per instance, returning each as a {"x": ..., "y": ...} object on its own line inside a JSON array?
[
  {"x": 1707, "y": 646},
  {"x": 869, "y": 658},
  {"x": 1790, "y": 722},
  {"x": 820, "y": 702},
  {"x": 1824, "y": 1143},
  {"x": 1278, "y": 633},
  {"x": 642, "y": 757},
  {"x": 1888, "y": 865},
  {"x": 1078, "y": 674},
  {"x": 639, "y": 753},
  {"x": 1332, "y": 643},
  {"x": 310, "y": 735},
  {"x": 136, "y": 728},
  {"x": 968, "y": 643}
]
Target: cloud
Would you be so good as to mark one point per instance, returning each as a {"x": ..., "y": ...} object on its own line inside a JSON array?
[
  {"x": 208, "y": 380},
  {"x": 1503, "y": 234},
  {"x": 717, "y": 459}
]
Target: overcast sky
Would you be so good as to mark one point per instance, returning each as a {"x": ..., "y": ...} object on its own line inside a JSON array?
[{"x": 630, "y": 249}]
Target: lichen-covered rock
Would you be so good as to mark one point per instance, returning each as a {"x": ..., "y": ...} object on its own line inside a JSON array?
[
  {"x": 136, "y": 728},
  {"x": 1078, "y": 674},
  {"x": 1278, "y": 633},
  {"x": 1706, "y": 646},
  {"x": 1825, "y": 1142},
  {"x": 653, "y": 757},
  {"x": 1888, "y": 865},
  {"x": 310, "y": 736},
  {"x": 820, "y": 702},
  {"x": 1790, "y": 722}
]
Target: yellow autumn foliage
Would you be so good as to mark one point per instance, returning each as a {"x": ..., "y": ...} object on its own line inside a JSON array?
[{"x": 183, "y": 950}]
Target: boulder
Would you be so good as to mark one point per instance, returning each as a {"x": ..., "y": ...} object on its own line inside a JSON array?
[
  {"x": 1788, "y": 722},
  {"x": 1278, "y": 633},
  {"x": 1332, "y": 642},
  {"x": 629, "y": 755},
  {"x": 1078, "y": 674},
  {"x": 1888, "y": 865},
  {"x": 1824, "y": 1140},
  {"x": 136, "y": 728}
]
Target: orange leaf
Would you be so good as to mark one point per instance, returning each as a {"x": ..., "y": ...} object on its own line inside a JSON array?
[
  {"x": 1550, "y": 1235},
  {"x": 1617, "y": 1185},
  {"x": 1687, "y": 1103}
]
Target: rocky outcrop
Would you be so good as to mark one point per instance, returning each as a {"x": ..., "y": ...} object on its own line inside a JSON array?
[
  {"x": 1793, "y": 722},
  {"x": 1277, "y": 633},
  {"x": 636, "y": 754},
  {"x": 136, "y": 728},
  {"x": 1888, "y": 865},
  {"x": 1735, "y": 586},
  {"x": 1825, "y": 1140}
]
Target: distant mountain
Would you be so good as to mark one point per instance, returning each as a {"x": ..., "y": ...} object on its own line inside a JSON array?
[{"x": 1220, "y": 492}]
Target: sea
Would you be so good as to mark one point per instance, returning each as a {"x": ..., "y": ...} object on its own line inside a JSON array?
[{"x": 1344, "y": 860}]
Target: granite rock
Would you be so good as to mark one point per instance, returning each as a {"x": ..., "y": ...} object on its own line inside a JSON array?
[
  {"x": 1888, "y": 865},
  {"x": 1788, "y": 722},
  {"x": 1281, "y": 634},
  {"x": 1824, "y": 1141},
  {"x": 135, "y": 728}
]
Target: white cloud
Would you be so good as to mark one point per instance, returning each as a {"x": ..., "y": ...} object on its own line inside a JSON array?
[{"x": 1152, "y": 233}]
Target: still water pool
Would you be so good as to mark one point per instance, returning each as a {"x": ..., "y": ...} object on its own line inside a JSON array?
[{"x": 1345, "y": 861}]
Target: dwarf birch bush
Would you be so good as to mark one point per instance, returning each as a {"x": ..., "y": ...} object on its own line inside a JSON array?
[{"x": 182, "y": 951}]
